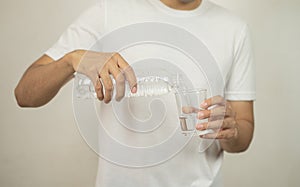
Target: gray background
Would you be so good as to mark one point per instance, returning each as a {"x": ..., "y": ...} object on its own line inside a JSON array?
[{"x": 42, "y": 147}]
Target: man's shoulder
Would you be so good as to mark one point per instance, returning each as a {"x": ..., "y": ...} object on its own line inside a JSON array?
[{"x": 225, "y": 15}]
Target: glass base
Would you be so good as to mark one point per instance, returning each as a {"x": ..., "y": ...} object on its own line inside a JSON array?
[{"x": 196, "y": 132}]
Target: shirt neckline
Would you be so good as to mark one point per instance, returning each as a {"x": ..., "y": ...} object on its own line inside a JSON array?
[{"x": 180, "y": 13}]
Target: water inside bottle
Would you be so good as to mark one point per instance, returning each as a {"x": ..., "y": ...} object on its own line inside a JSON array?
[{"x": 147, "y": 87}]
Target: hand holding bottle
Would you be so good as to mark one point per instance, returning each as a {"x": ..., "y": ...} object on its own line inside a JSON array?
[{"x": 99, "y": 66}]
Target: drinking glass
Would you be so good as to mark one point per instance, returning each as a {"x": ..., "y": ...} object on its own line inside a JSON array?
[{"x": 188, "y": 105}]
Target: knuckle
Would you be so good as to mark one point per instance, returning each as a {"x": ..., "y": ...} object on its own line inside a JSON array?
[
  {"x": 110, "y": 62},
  {"x": 228, "y": 105},
  {"x": 98, "y": 85},
  {"x": 109, "y": 88},
  {"x": 116, "y": 56},
  {"x": 225, "y": 135},
  {"x": 222, "y": 110},
  {"x": 98, "y": 89},
  {"x": 104, "y": 68},
  {"x": 220, "y": 135},
  {"x": 234, "y": 123},
  {"x": 220, "y": 99},
  {"x": 120, "y": 78},
  {"x": 121, "y": 81},
  {"x": 128, "y": 69},
  {"x": 229, "y": 108},
  {"x": 236, "y": 132},
  {"x": 233, "y": 132}
]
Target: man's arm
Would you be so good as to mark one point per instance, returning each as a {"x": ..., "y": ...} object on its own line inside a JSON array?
[
  {"x": 244, "y": 119},
  {"x": 42, "y": 80},
  {"x": 45, "y": 77},
  {"x": 232, "y": 121}
]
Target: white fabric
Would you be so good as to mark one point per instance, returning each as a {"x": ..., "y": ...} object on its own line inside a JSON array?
[{"x": 226, "y": 37}]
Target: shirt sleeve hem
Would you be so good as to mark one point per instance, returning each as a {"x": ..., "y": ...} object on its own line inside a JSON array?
[
  {"x": 240, "y": 96},
  {"x": 54, "y": 54}
]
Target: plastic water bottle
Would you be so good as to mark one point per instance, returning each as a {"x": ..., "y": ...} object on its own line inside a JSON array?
[{"x": 147, "y": 86}]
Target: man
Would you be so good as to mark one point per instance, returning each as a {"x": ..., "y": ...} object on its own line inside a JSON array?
[{"x": 226, "y": 38}]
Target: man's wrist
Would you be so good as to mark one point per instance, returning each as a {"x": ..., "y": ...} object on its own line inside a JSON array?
[{"x": 68, "y": 60}]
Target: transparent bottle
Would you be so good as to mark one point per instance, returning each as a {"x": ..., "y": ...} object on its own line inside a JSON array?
[{"x": 147, "y": 86}]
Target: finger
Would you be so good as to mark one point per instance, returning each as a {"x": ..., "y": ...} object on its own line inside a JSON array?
[
  {"x": 216, "y": 112},
  {"x": 216, "y": 100},
  {"x": 229, "y": 111},
  {"x": 203, "y": 114},
  {"x": 120, "y": 82},
  {"x": 222, "y": 134},
  {"x": 128, "y": 72},
  {"x": 210, "y": 135},
  {"x": 99, "y": 89},
  {"x": 218, "y": 124},
  {"x": 189, "y": 109},
  {"x": 108, "y": 86},
  {"x": 227, "y": 123}
]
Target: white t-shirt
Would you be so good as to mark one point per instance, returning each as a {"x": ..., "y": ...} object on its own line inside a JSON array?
[{"x": 226, "y": 38}]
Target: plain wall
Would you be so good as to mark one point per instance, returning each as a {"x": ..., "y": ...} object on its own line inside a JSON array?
[{"x": 43, "y": 147}]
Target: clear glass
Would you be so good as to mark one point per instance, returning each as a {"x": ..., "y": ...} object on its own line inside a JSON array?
[{"x": 188, "y": 105}]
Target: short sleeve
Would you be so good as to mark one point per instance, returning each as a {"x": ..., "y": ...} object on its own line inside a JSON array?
[
  {"x": 81, "y": 34},
  {"x": 241, "y": 82}
]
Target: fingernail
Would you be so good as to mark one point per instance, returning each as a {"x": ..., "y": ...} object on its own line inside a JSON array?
[
  {"x": 199, "y": 126},
  {"x": 200, "y": 114},
  {"x": 134, "y": 89},
  {"x": 204, "y": 104}
]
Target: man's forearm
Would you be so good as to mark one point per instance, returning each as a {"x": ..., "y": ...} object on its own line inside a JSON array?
[
  {"x": 243, "y": 139},
  {"x": 41, "y": 82}
]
